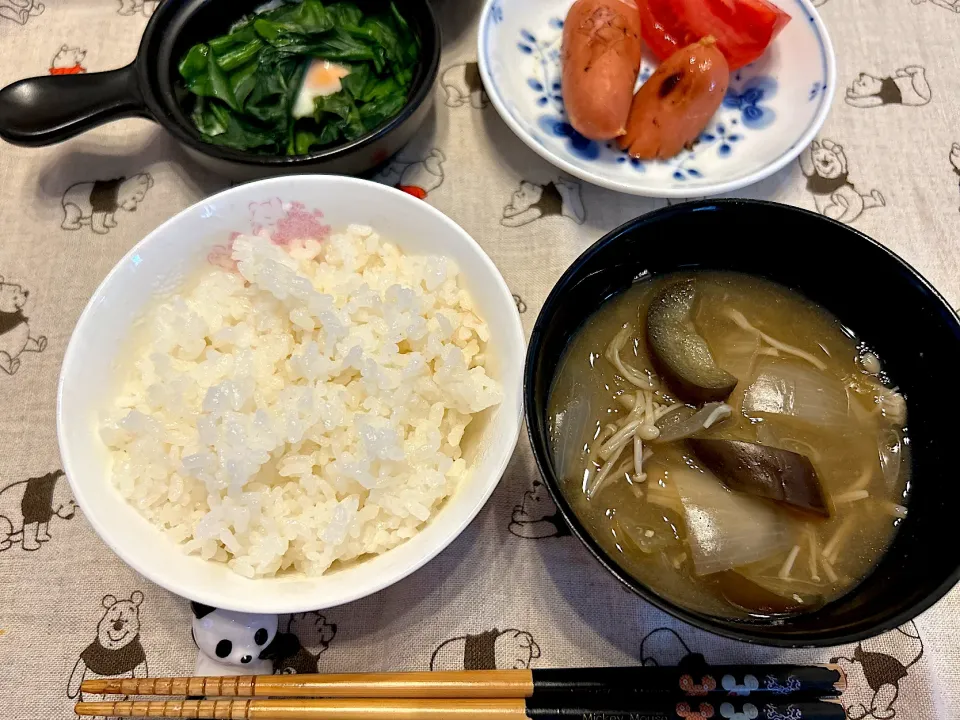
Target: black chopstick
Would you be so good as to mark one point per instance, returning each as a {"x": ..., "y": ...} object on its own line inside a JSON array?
[
  {"x": 696, "y": 680},
  {"x": 637, "y": 708}
]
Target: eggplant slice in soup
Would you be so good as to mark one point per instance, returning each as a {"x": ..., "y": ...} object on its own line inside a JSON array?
[
  {"x": 682, "y": 354},
  {"x": 766, "y": 472}
]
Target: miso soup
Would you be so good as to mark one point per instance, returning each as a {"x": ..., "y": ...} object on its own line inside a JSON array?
[{"x": 736, "y": 448}]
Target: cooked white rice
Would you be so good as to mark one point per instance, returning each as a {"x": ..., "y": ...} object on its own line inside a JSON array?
[{"x": 306, "y": 409}]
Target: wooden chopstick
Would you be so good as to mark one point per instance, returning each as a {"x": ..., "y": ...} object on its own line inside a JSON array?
[
  {"x": 812, "y": 681},
  {"x": 446, "y": 684},
  {"x": 446, "y": 709},
  {"x": 310, "y": 709}
]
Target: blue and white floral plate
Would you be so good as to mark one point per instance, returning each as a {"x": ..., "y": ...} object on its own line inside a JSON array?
[{"x": 773, "y": 109}]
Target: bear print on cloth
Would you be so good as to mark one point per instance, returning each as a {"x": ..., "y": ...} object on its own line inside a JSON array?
[
  {"x": 955, "y": 159},
  {"x": 490, "y": 650},
  {"x": 664, "y": 646},
  {"x": 116, "y": 650},
  {"x": 536, "y": 516},
  {"x": 20, "y": 11},
  {"x": 418, "y": 177},
  {"x": 68, "y": 61},
  {"x": 95, "y": 204},
  {"x": 825, "y": 166},
  {"x": 907, "y": 86},
  {"x": 463, "y": 86},
  {"x": 309, "y": 636},
  {"x": 15, "y": 336},
  {"x": 138, "y": 7},
  {"x": 28, "y": 506},
  {"x": 875, "y": 671},
  {"x": 952, "y": 5},
  {"x": 532, "y": 201}
]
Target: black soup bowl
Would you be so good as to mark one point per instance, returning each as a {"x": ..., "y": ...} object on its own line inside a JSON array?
[
  {"x": 870, "y": 290},
  {"x": 47, "y": 110}
]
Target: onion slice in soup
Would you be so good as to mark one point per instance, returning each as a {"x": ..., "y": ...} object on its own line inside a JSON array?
[
  {"x": 727, "y": 529},
  {"x": 796, "y": 390},
  {"x": 567, "y": 433}
]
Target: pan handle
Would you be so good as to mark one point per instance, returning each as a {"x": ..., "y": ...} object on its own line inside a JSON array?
[{"x": 47, "y": 110}]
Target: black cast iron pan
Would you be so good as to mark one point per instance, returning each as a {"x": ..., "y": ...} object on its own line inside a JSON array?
[{"x": 47, "y": 110}]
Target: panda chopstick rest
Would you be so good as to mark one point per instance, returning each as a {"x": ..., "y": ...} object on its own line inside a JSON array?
[{"x": 234, "y": 643}]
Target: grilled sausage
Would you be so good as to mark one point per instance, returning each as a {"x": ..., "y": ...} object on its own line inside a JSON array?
[
  {"x": 673, "y": 107},
  {"x": 601, "y": 60}
]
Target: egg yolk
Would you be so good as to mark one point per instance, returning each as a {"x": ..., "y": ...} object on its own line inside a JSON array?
[{"x": 321, "y": 79}]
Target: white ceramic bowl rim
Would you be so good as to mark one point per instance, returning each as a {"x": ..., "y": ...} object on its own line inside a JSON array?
[
  {"x": 273, "y": 595},
  {"x": 773, "y": 166}
]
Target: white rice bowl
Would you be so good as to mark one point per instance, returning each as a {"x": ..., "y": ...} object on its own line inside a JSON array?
[
  {"x": 305, "y": 408},
  {"x": 100, "y": 359}
]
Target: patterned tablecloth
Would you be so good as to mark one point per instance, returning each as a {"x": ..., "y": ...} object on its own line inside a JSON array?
[{"x": 515, "y": 590}]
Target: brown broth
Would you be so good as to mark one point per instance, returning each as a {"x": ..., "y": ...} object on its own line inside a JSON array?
[{"x": 642, "y": 523}]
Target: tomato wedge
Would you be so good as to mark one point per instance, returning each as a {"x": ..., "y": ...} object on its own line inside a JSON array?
[{"x": 743, "y": 28}]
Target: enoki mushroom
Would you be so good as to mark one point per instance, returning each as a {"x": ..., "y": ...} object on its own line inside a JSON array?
[
  {"x": 849, "y": 497},
  {"x": 636, "y": 427},
  {"x": 784, "y": 573},
  {"x": 638, "y": 458},
  {"x": 619, "y": 440},
  {"x": 812, "y": 540},
  {"x": 631, "y": 375},
  {"x": 741, "y": 321},
  {"x": 829, "y": 571},
  {"x": 606, "y": 473},
  {"x": 832, "y": 549}
]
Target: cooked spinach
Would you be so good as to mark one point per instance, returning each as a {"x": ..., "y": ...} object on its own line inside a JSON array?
[{"x": 241, "y": 86}]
